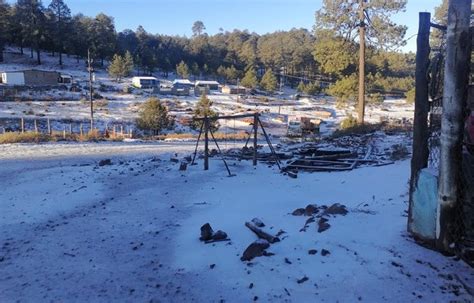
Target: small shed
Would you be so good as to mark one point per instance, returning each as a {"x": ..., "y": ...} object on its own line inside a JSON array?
[
  {"x": 234, "y": 90},
  {"x": 145, "y": 82},
  {"x": 211, "y": 85}
]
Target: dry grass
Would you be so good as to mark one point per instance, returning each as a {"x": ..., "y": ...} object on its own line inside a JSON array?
[{"x": 27, "y": 137}]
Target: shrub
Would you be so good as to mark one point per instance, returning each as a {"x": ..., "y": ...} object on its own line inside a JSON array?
[
  {"x": 27, "y": 137},
  {"x": 410, "y": 96},
  {"x": 153, "y": 117},
  {"x": 375, "y": 98},
  {"x": 348, "y": 122}
]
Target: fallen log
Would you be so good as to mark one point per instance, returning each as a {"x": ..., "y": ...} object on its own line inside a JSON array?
[{"x": 261, "y": 234}]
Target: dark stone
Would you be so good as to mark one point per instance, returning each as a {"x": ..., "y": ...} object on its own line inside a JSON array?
[
  {"x": 174, "y": 160},
  {"x": 311, "y": 209},
  {"x": 312, "y": 251},
  {"x": 256, "y": 249},
  {"x": 336, "y": 209},
  {"x": 212, "y": 266},
  {"x": 105, "y": 162},
  {"x": 219, "y": 235},
  {"x": 298, "y": 212},
  {"x": 323, "y": 225},
  {"x": 257, "y": 222},
  {"x": 302, "y": 280},
  {"x": 206, "y": 232},
  {"x": 183, "y": 166},
  {"x": 325, "y": 252},
  {"x": 287, "y": 261},
  {"x": 251, "y": 285}
]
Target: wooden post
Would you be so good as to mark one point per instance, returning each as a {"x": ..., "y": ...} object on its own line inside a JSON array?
[
  {"x": 115, "y": 131},
  {"x": 49, "y": 127},
  {"x": 81, "y": 130},
  {"x": 70, "y": 128},
  {"x": 361, "y": 101},
  {"x": 64, "y": 133},
  {"x": 36, "y": 126},
  {"x": 91, "y": 89},
  {"x": 130, "y": 132},
  {"x": 255, "y": 129},
  {"x": 456, "y": 83},
  {"x": 206, "y": 143},
  {"x": 121, "y": 130},
  {"x": 22, "y": 125},
  {"x": 420, "y": 155}
]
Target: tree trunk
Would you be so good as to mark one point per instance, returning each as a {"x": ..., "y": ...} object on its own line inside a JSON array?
[
  {"x": 456, "y": 82},
  {"x": 38, "y": 56},
  {"x": 21, "y": 50},
  {"x": 61, "y": 58}
]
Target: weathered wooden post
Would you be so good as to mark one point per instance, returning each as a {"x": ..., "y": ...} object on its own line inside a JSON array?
[
  {"x": 255, "y": 129},
  {"x": 206, "y": 143},
  {"x": 70, "y": 128},
  {"x": 81, "y": 130},
  {"x": 49, "y": 127},
  {"x": 64, "y": 132},
  {"x": 22, "y": 122},
  {"x": 420, "y": 155},
  {"x": 121, "y": 130},
  {"x": 456, "y": 83},
  {"x": 36, "y": 126}
]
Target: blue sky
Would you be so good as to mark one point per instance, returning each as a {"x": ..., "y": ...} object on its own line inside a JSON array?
[{"x": 260, "y": 16}]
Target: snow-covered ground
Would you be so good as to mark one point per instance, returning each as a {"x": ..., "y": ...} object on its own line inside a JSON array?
[{"x": 77, "y": 232}]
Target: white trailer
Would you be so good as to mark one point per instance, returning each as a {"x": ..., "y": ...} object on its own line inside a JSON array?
[{"x": 13, "y": 78}]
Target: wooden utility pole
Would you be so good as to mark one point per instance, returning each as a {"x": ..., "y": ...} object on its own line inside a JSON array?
[
  {"x": 361, "y": 107},
  {"x": 91, "y": 97},
  {"x": 456, "y": 83},
  {"x": 420, "y": 153}
]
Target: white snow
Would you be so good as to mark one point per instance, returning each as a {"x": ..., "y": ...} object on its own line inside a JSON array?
[{"x": 74, "y": 231}]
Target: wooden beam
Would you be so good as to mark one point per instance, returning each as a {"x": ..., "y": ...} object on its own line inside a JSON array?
[{"x": 420, "y": 155}]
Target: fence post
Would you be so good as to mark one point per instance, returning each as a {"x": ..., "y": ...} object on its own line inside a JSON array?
[
  {"x": 456, "y": 83},
  {"x": 255, "y": 129},
  {"x": 206, "y": 143},
  {"x": 22, "y": 125},
  {"x": 49, "y": 127},
  {"x": 420, "y": 154},
  {"x": 36, "y": 126},
  {"x": 80, "y": 130},
  {"x": 70, "y": 128}
]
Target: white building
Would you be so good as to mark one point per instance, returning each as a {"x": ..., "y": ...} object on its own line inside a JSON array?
[{"x": 145, "y": 82}]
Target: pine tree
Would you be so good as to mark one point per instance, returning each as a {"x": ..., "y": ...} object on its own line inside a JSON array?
[
  {"x": 61, "y": 20},
  {"x": 182, "y": 69},
  {"x": 203, "y": 109},
  {"x": 4, "y": 25},
  {"x": 154, "y": 117},
  {"x": 269, "y": 82},
  {"x": 301, "y": 87},
  {"x": 121, "y": 66},
  {"x": 250, "y": 79}
]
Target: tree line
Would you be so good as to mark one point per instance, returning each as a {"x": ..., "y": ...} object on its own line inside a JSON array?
[{"x": 306, "y": 58}]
